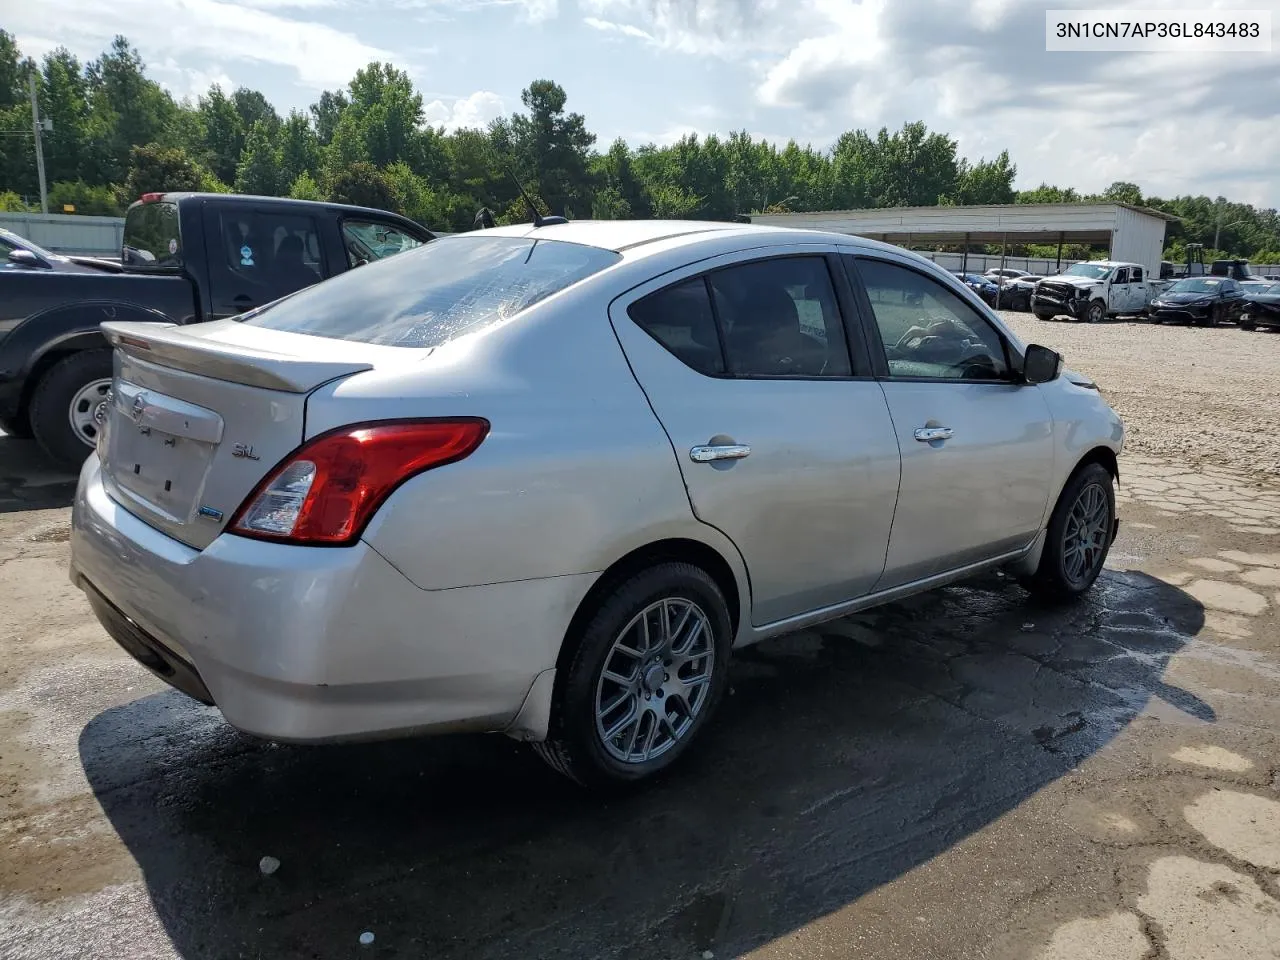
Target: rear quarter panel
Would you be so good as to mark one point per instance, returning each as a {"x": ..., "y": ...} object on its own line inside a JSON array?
[{"x": 576, "y": 471}]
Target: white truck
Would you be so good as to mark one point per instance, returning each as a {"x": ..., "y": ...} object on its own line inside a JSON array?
[{"x": 1095, "y": 289}]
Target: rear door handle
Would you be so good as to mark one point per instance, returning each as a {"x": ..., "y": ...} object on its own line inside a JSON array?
[
  {"x": 931, "y": 434},
  {"x": 719, "y": 451}
]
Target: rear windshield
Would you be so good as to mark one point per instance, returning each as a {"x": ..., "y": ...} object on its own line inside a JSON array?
[
  {"x": 151, "y": 236},
  {"x": 442, "y": 290}
]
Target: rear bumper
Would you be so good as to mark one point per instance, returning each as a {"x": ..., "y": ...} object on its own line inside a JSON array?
[{"x": 312, "y": 644}]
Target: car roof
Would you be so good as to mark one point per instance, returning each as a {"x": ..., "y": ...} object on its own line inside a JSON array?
[{"x": 637, "y": 237}]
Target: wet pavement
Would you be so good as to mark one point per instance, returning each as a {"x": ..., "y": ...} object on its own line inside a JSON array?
[{"x": 964, "y": 774}]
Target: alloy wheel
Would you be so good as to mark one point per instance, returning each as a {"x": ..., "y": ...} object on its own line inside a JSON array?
[
  {"x": 655, "y": 680},
  {"x": 1084, "y": 545}
]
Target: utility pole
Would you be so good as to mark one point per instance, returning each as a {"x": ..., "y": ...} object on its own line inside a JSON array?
[{"x": 38, "y": 126}]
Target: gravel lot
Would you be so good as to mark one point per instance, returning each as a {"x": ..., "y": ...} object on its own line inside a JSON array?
[
  {"x": 960, "y": 776},
  {"x": 1192, "y": 394}
]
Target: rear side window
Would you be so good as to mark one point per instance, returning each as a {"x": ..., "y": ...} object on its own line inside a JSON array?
[
  {"x": 151, "y": 236},
  {"x": 440, "y": 291},
  {"x": 680, "y": 319},
  {"x": 261, "y": 255}
]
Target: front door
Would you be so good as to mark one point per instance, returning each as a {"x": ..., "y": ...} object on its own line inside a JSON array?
[
  {"x": 977, "y": 445},
  {"x": 782, "y": 436}
]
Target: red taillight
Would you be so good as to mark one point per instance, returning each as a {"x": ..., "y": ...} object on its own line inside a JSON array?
[
  {"x": 325, "y": 492},
  {"x": 151, "y": 197}
]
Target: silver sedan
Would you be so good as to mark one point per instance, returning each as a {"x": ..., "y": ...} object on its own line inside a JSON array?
[{"x": 544, "y": 480}]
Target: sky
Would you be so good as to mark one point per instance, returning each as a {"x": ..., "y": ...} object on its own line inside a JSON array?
[{"x": 654, "y": 70}]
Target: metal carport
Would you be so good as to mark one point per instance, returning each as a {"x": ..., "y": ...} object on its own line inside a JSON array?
[{"x": 1134, "y": 234}]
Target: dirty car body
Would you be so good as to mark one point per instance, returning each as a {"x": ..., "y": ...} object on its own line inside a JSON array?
[{"x": 543, "y": 480}]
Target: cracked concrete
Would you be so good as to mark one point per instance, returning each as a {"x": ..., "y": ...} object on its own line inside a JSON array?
[{"x": 961, "y": 775}]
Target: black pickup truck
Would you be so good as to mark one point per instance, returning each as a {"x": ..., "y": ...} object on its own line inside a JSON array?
[{"x": 186, "y": 257}]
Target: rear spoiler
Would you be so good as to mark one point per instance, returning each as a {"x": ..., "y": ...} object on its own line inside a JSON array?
[{"x": 180, "y": 348}]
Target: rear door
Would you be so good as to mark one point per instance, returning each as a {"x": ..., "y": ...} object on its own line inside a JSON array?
[
  {"x": 781, "y": 434},
  {"x": 257, "y": 254},
  {"x": 977, "y": 445}
]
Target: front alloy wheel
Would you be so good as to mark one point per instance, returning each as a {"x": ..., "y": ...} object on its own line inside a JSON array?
[
  {"x": 1097, "y": 310},
  {"x": 1087, "y": 535},
  {"x": 1078, "y": 537}
]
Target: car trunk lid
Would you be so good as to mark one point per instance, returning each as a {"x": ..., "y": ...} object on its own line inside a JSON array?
[{"x": 199, "y": 414}]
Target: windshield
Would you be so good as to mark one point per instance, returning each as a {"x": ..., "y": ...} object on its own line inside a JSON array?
[
  {"x": 1273, "y": 290},
  {"x": 1196, "y": 285},
  {"x": 1090, "y": 270},
  {"x": 440, "y": 291}
]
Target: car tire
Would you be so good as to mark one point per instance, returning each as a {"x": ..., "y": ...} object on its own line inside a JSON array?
[
  {"x": 1085, "y": 508},
  {"x": 69, "y": 380},
  {"x": 1244, "y": 325},
  {"x": 16, "y": 427},
  {"x": 1041, "y": 315},
  {"x": 1096, "y": 312},
  {"x": 589, "y": 705}
]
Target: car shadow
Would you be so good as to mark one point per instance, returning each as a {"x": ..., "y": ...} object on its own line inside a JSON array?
[
  {"x": 845, "y": 756},
  {"x": 29, "y": 480}
]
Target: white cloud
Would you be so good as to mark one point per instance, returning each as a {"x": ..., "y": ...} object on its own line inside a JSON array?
[
  {"x": 531, "y": 11},
  {"x": 608, "y": 26},
  {"x": 189, "y": 81},
  {"x": 978, "y": 70},
  {"x": 320, "y": 56},
  {"x": 473, "y": 111}
]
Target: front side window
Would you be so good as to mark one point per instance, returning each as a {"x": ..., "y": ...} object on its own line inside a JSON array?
[
  {"x": 927, "y": 330},
  {"x": 1122, "y": 275},
  {"x": 367, "y": 241},
  {"x": 438, "y": 292}
]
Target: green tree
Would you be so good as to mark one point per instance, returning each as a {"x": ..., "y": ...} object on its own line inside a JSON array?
[
  {"x": 1124, "y": 192},
  {"x": 129, "y": 109},
  {"x": 306, "y": 188},
  {"x": 224, "y": 133},
  {"x": 326, "y": 112},
  {"x": 1047, "y": 194},
  {"x": 157, "y": 169},
  {"x": 552, "y": 147},
  {"x": 251, "y": 106},
  {"x": 13, "y": 73},
  {"x": 363, "y": 184},
  {"x": 299, "y": 149},
  {"x": 88, "y": 199},
  {"x": 986, "y": 181},
  {"x": 260, "y": 171},
  {"x": 64, "y": 99}
]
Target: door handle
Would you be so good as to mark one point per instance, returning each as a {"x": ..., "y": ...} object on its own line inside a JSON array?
[
  {"x": 719, "y": 451},
  {"x": 931, "y": 434}
]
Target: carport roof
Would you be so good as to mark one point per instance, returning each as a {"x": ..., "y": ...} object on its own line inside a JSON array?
[{"x": 995, "y": 223}]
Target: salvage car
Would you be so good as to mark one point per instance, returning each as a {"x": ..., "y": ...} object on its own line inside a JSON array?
[
  {"x": 984, "y": 287},
  {"x": 1016, "y": 293},
  {"x": 542, "y": 480},
  {"x": 1199, "y": 301},
  {"x": 19, "y": 253},
  {"x": 1093, "y": 291},
  {"x": 1261, "y": 308},
  {"x": 185, "y": 258}
]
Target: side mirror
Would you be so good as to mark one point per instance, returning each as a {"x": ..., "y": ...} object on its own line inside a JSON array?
[
  {"x": 25, "y": 258},
  {"x": 1040, "y": 364}
]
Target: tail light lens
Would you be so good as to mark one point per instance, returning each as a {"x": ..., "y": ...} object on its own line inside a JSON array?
[{"x": 326, "y": 491}]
